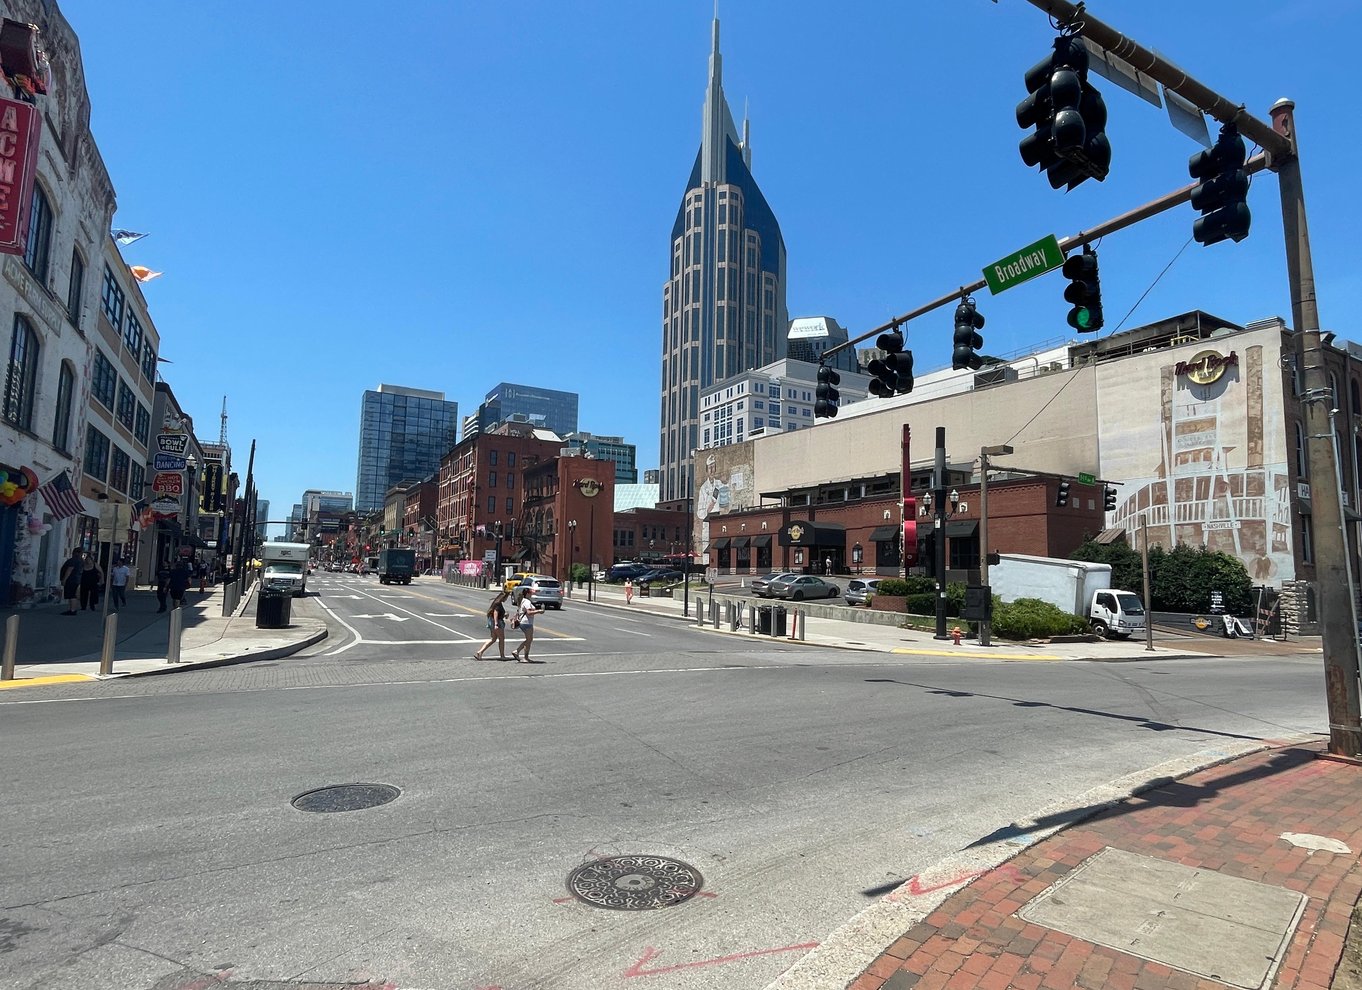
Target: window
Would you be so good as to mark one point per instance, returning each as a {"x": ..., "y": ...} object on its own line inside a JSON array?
[
  {"x": 127, "y": 404},
  {"x": 111, "y": 300},
  {"x": 138, "y": 481},
  {"x": 76, "y": 288},
  {"x": 510, "y": 506},
  {"x": 148, "y": 361},
  {"x": 491, "y": 479},
  {"x": 1307, "y": 540},
  {"x": 510, "y": 458},
  {"x": 491, "y": 504},
  {"x": 492, "y": 458},
  {"x": 118, "y": 477},
  {"x": 39, "y": 234},
  {"x": 510, "y": 480},
  {"x": 22, "y": 377},
  {"x": 105, "y": 383},
  {"x": 61, "y": 427},
  {"x": 1302, "y": 460},
  {"x": 142, "y": 431},
  {"x": 132, "y": 334},
  {"x": 96, "y": 454}
]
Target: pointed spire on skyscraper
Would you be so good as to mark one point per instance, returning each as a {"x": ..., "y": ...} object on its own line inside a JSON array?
[{"x": 746, "y": 137}]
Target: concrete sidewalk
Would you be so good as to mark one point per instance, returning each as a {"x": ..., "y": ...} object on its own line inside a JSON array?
[{"x": 55, "y": 648}]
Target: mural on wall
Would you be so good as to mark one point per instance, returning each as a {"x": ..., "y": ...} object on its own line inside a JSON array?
[
  {"x": 1211, "y": 469},
  {"x": 724, "y": 484}
]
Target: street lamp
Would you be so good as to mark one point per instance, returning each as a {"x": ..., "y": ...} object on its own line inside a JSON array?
[
  {"x": 690, "y": 533},
  {"x": 572, "y": 550}
]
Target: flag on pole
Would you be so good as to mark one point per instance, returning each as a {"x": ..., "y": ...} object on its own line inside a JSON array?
[
  {"x": 142, "y": 273},
  {"x": 126, "y": 236},
  {"x": 62, "y": 497}
]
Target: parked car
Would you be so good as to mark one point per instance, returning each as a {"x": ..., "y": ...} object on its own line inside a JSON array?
[
  {"x": 659, "y": 574},
  {"x": 630, "y": 571},
  {"x": 761, "y": 586},
  {"x": 859, "y": 590},
  {"x": 797, "y": 588},
  {"x": 548, "y": 592}
]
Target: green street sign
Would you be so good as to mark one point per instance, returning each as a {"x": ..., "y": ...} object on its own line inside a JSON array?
[
  {"x": 1032, "y": 260},
  {"x": 1087, "y": 479}
]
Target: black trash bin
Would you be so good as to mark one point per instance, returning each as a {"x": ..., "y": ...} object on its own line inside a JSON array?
[
  {"x": 764, "y": 619},
  {"x": 780, "y": 611},
  {"x": 272, "y": 610}
]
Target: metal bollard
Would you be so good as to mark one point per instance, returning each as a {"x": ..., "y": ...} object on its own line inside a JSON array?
[
  {"x": 699, "y": 611},
  {"x": 173, "y": 647},
  {"x": 11, "y": 647},
  {"x": 227, "y": 591},
  {"x": 804, "y": 620},
  {"x": 735, "y": 615},
  {"x": 106, "y": 656},
  {"x": 714, "y": 615}
]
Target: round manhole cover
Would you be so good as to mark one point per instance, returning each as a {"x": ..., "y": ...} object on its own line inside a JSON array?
[
  {"x": 346, "y": 797},
  {"x": 634, "y": 883}
]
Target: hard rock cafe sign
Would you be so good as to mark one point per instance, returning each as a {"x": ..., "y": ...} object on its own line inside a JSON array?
[
  {"x": 589, "y": 487},
  {"x": 1206, "y": 367}
]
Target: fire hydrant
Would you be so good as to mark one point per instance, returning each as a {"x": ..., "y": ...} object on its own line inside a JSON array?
[{"x": 955, "y": 635}]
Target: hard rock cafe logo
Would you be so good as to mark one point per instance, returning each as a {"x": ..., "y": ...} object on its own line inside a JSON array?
[
  {"x": 1206, "y": 367},
  {"x": 796, "y": 533},
  {"x": 589, "y": 487}
]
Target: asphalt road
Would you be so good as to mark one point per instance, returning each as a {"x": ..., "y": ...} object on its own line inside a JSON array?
[{"x": 149, "y": 838}]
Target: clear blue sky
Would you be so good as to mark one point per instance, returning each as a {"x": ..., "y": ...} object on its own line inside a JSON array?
[{"x": 449, "y": 195}]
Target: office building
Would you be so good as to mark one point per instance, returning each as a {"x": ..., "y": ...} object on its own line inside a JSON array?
[
  {"x": 723, "y": 306},
  {"x": 262, "y": 513},
  {"x": 403, "y": 433},
  {"x": 606, "y": 449},
  {"x": 777, "y": 398},
  {"x": 541, "y": 408},
  {"x": 811, "y": 336}
]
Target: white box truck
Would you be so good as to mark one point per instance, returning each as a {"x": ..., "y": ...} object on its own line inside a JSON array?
[
  {"x": 1079, "y": 587},
  {"x": 284, "y": 567}
]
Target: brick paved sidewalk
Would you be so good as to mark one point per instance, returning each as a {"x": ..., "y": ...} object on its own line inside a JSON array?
[{"x": 1227, "y": 819}]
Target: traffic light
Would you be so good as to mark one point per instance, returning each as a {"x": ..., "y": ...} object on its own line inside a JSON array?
[
  {"x": 1062, "y": 496},
  {"x": 1109, "y": 499},
  {"x": 893, "y": 373},
  {"x": 1070, "y": 118},
  {"x": 826, "y": 394},
  {"x": 1084, "y": 291},
  {"x": 968, "y": 323},
  {"x": 1221, "y": 194}
]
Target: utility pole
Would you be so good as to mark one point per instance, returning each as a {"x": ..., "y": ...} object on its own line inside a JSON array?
[
  {"x": 986, "y": 624},
  {"x": 939, "y": 531}
]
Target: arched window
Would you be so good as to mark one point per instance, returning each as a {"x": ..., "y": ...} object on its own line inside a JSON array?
[
  {"x": 1302, "y": 462},
  {"x": 39, "y": 234},
  {"x": 21, "y": 378},
  {"x": 66, "y": 388}
]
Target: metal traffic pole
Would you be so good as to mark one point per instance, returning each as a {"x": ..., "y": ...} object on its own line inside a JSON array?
[
  {"x": 173, "y": 647},
  {"x": 986, "y": 626},
  {"x": 106, "y": 656},
  {"x": 11, "y": 647}
]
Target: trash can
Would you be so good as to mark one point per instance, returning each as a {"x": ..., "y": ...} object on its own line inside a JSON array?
[
  {"x": 644, "y": 591},
  {"x": 272, "y": 609},
  {"x": 780, "y": 611},
  {"x": 764, "y": 619}
]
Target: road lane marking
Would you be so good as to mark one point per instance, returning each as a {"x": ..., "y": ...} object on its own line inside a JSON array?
[
  {"x": 634, "y": 631},
  {"x": 46, "y": 679},
  {"x": 958, "y": 655}
]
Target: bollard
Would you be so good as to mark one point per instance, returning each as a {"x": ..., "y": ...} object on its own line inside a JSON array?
[
  {"x": 11, "y": 647},
  {"x": 699, "y": 611},
  {"x": 714, "y": 615},
  {"x": 794, "y": 623},
  {"x": 735, "y": 615},
  {"x": 173, "y": 647},
  {"x": 106, "y": 656},
  {"x": 227, "y": 591},
  {"x": 802, "y": 623}
]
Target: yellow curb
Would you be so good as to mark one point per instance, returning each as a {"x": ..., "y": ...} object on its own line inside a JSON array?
[
  {"x": 50, "y": 679},
  {"x": 976, "y": 656}
]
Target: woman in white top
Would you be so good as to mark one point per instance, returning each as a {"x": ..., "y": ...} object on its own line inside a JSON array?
[{"x": 524, "y": 621}]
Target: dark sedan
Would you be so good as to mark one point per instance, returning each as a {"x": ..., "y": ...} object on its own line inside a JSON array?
[{"x": 804, "y": 586}]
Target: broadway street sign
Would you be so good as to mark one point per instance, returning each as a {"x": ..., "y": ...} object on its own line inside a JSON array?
[{"x": 1032, "y": 260}]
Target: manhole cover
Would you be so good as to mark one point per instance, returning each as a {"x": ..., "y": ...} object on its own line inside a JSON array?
[
  {"x": 346, "y": 797},
  {"x": 634, "y": 883}
]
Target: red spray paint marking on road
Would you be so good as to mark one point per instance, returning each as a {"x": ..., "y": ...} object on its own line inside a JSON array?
[{"x": 649, "y": 954}]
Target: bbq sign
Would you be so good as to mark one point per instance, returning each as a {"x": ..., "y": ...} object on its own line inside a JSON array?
[
  {"x": 168, "y": 483},
  {"x": 1206, "y": 367},
  {"x": 18, "y": 165}
]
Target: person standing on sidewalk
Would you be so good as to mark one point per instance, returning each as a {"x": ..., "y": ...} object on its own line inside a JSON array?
[
  {"x": 91, "y": 577},
  {"x": 70, "y": 580},
  {"x": 162, "y": 584},
  {"x": 179, "y": 583},
  {"x": 524, "y": 621},
  {"x": 118, "y": 584}
]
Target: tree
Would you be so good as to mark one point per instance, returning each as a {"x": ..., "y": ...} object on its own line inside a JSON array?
[{"x": 1127, "y": 572}]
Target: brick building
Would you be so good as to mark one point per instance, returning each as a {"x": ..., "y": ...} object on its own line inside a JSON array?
[{"x": 569, "y": 515}]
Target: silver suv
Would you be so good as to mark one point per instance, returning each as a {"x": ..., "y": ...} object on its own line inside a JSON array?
[
  {"x": 859, "y": 590},
  {"x": 548, "y": 593}
]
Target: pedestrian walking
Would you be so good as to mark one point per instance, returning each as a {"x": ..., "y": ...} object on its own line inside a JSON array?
[
  {"x": 162, "y": 584},
  {"x": 91, "y": 577},
  {"x": 179, "y": 583},
  {"x": 827, "y": 566},
  {"x": 496, "y": 627},
  {"x": 524, "y": 621},
  {"x": 118, "y": 583},
  {"x": 69, "y": 575},
  {"x": 628, "y": 591}
]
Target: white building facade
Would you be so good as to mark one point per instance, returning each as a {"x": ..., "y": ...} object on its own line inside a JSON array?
[{"x": 776, "y": 398}]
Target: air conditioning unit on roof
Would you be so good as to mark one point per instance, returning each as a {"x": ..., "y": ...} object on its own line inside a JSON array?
[{"x": 995, "y": 376}]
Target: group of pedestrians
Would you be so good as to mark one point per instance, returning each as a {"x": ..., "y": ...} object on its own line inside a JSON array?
[
  {"x": 82, "y": 583},
  {"x": 523, "y": 620}
]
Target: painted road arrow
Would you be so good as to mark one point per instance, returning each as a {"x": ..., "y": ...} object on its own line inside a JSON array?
[{"x": 385, "y": 615}]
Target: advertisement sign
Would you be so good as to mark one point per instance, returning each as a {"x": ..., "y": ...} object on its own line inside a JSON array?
[
  {"x": 115, "y": 519},
  {"x": 168, "y": 462},
  {"x": 172, "y": 443},
  {"x": 19, "y": 130},
  {"x": 168, "y": 483},
  {"x": 165, "y": 507}
]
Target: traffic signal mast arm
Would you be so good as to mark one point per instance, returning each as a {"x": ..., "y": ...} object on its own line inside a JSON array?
[{"x": 1161, "y": 205}]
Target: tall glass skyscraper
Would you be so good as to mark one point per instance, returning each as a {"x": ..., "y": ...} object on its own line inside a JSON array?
[
  {"x": 403, "y": 433},
  {"x": 544, "y": 407},
  {"x": 723, "y": 307}
]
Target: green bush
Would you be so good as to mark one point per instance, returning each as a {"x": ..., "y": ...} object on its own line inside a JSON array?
[
  {"x": 1031, "y": 618},
  {"x": 1182, "y": 579},
  {"x": 922, "y": 604},
  {"x": 892, "y": 586},
  {"x": 580, "y": 572},
  {"x": 918, "y": 585}
]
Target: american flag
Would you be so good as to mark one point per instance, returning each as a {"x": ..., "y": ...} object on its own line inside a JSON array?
[{"x": 62, "y": 497}]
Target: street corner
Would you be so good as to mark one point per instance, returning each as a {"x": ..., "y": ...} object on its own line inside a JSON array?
[{"x": 44, "y": 680}]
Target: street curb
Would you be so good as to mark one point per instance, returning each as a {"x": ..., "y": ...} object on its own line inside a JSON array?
[
  {"x": 851, "y": 948},
  {"x": 274, "y": 654}
]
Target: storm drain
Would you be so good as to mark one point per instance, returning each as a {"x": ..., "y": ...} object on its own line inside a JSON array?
[
  {"x": 634, "y": 883},
  {"x": 346, "y": 797}
]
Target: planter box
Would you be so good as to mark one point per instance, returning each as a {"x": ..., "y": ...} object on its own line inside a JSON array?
[{"x": 889, "y": 603}]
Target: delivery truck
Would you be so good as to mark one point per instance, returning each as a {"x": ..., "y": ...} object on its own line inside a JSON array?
[
  {"x": 396, "y": 565},
  {"x": 1079, "y": 587},
  {"x": 284, "y": 567}
]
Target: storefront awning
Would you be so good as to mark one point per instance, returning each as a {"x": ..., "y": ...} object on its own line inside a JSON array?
[
  {"x": 804, "y": 533},
  {"x": 961, "y": 527},
  {"x": 761, "y": 542},
  {"x": 720, "y": 544},
  {"x": 1303, "y": 504},
  {"x": 192, "y": 540},
  {"x": 883, "y": 534},
  {"x": 741, "y": 542}
]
